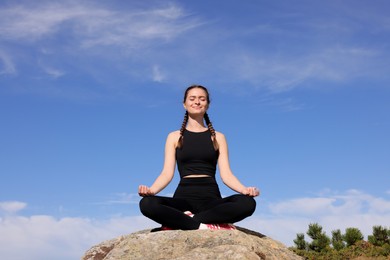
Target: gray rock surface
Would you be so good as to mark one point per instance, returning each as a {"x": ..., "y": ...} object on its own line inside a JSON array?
[{"x": 195, "y": 244}]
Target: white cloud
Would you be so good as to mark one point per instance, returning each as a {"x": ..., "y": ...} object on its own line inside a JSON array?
[
  {"x": 281, "y": 72},
  {"x": 93, "y": 25},
  {"x": 12, "y": 206},
  {"x": 122, "y": 198},
  {"x": 350, "y": 203},
  {"x": 52, "y": 72},
  {"x": 333, "y": 211},
  {"x": 47, "y": 237},
  {"x": 157, "y": 75},
  {"x": 81, "y": 34},
  {"x": 303, "y": 206},
  {"x": 131, "y": 40},
  {"x": 32, "y": 23},
  {"x": 6, "y": 64},
  {"x": 55, "y": 73}
]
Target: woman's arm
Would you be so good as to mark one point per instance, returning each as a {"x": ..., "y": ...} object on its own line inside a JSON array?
[
  {"x": 227, "y": 175},
  {"x": 168, "y": 170}
]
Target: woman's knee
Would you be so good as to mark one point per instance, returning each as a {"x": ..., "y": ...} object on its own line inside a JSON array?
[
  {"x": 252, "y": 204},
  {"x": 146, "y": 205},
  {"x": 248, "y": 203}
]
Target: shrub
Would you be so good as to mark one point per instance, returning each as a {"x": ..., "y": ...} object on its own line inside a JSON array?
[
  {"x": 300, "y": 242},
  {"x": 352, "y": 236},
  {"x": 378, "y": 246},
  {"x": 337, "y": 240},
  {"x": 320, "y": 241},
  {"x": 380, "y": 236}
]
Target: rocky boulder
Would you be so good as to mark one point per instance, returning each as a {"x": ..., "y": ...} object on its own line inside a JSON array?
[{"x": 195, "y": 244}]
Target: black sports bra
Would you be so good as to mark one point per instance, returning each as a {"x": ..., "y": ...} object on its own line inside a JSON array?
[{"x": 197, "y": 156}]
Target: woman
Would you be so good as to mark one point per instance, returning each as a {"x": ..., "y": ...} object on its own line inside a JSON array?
[{"x": 197, "y": 148}]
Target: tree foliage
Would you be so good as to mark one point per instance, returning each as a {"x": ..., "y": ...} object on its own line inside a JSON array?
[
  {"x": 380, "y": 236},
  {"x": 337, "y": 240},
  {"x": 352, "y": 236},
  {"x": 300, "y": 242},
  {"x": 320, "y": 241},
  {"x": 349, "y": 245}
]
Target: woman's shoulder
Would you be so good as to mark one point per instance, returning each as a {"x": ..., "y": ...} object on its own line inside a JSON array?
[
  {"x": 219, "y": 136},
  {"x": 174, "y": 135},
  {"x": 173, "y": 138}
]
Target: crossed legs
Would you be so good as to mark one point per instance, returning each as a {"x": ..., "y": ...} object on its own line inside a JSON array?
[{"x": 169, "y": 211}]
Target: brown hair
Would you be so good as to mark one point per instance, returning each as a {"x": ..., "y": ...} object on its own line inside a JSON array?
[{"x": 206, "y": 118}]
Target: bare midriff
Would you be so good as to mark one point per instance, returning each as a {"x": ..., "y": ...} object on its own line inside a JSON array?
[{"x": 196, "y": 176}]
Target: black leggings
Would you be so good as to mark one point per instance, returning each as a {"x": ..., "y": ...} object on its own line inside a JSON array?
[{"x": 202, "y": 197}]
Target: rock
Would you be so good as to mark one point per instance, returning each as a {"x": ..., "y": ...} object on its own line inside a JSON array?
[{"x": 194, "y": 244}]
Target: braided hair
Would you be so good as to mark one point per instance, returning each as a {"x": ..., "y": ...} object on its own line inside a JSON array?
[
  {"x": 183, "y": 127},
  {"x": 206, "y": 118},
  {"x": 211, "y": 128}
]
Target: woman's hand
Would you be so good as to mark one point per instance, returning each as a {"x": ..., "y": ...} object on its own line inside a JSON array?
[
  {"x": 144, "y": 190},
  {"x": 251, "y": 191}
]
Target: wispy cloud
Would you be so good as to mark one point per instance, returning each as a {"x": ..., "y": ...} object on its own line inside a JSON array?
[
  {"x": 136, "y": 28},
  {"x": 6, "y": 64},
  {"x": 281, "y": 72},
  {"x": 144, "y": 43},
  {"x": 92, "y": 24},
  {"x": 122, "y": 198},
  {"x": 157, "y": 74},
  {"x": 349, "y": 203},
  {"x": 46, "y": 237},
  {"x": 43, "y": 236},
  {"x": 332, "y": 210},
  {"x": 303, "y": 206},
  {"x": 88, "y": 39},
  {"x": 31, "y": 23},
  {"x": 52, "y": 72},
  {"x": 12, "y": 206}
]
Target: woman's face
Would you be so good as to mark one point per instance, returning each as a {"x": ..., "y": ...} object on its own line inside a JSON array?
[{"x": 196, "y": 101}]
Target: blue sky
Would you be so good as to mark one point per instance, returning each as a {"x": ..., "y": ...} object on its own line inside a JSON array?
[{"x": 89, "y": 91}]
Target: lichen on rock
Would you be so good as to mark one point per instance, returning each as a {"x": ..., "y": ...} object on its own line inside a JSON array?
[{"x": 194, "y": 244}]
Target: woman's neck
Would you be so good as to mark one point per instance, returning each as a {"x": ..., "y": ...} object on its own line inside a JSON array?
[{"x": 196, "y": 124}]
